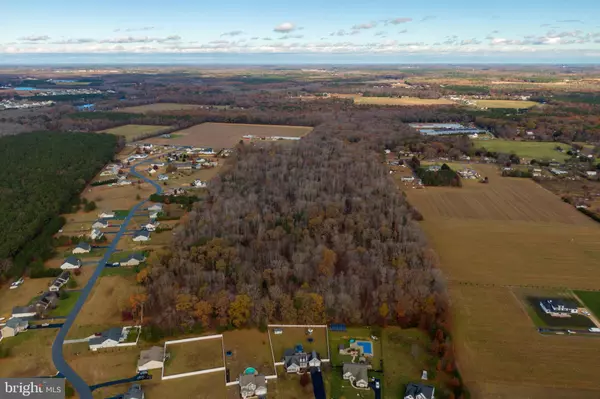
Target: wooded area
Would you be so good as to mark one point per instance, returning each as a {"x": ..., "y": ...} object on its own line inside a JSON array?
[{"x": 42, "y": 175}]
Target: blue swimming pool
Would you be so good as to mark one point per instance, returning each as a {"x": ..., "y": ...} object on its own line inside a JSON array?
[{"x": 367, "y": 347}]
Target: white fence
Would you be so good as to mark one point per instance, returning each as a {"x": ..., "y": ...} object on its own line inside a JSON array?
[
  {"x": 270, "y": 326},
  {"x": 198, "y": 372}
]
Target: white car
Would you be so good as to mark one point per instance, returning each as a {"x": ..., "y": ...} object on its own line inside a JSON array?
[{"x": 277, "y": 331}]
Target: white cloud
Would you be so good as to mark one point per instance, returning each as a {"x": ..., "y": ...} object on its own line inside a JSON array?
[
  {"x": 403, "y": 31},
  {"x": 233, "y": 33},
  {"x": 34, "y": 38},
  {"x": 285, "y": 27},
  {"x": 428, "y": 18},
  {"x": 369, "y": 25},
  {"x": 141, "y": 29},
  {"x": 381, "y": 33},
  {"x": 286, "y": 37},
  {"x": 397, "y": 21}
]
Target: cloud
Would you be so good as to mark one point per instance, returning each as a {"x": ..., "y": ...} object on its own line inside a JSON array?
[
  {"x": 34, "y": 38},
  {"x": 544, "y": 25},
  {"x": 428, "y": 18},
  {"x": 469, "y": 42},
  {"x": 495, "y": 31},
  {"x": 142, "y": 29},
  {"x": 397, "y": 21},
  {"x": 82, "y": 40},
  {"x": 254, "y": 38},
  {"x": 286, "y": 37},
  {"x": 233, "y": 33},
  {"x": 146, "y": 39},
  {"x": 342, "y": 32},
  {"x": 369, "y": 25},
  {"x": 381, "y": 33},
  {"x": 403, "y": 31},
  {"x": 285, "y": 27},
  {"x": 266, "y": 38},
  {"x": 570, "y": 21}
]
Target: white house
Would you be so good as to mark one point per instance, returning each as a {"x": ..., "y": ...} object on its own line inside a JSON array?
[
  {"x": 24, "y": 312},
  {"x": 199, "y": 183},
  {"x": 61, "y": 280},
  {"x": 155, "y": 208},
  {"x": 107, "y": 339},
  {"x": 163, "y": 177},
  {"x": 142, "y": 235},
  {"x": 152, "y": 358},
  {"x": 96, "y": 234},
  {"x": 100, "y": 224},
  {"x": 418, "y": 391},
  {"x": 407, "y": 178},
  {"x": 82, "y": 248},
  {"x": 134, "y": 260},
  {"x": 314, "y": 360},
  {"x": 591, "y": 173},
  {"x": 71, "y": 263},
  {"x": 151, "y": 225},
  {"x": 558, "y": 306},
  {"x": 357, "y": 374},
  {"x": 252, "y": 385},
  {"x": 14, "y": 326},
  {"x": 151, "y": 171}
]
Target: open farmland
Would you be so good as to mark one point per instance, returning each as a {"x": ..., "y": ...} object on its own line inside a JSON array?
[
  {"x": 516, "y": 104},
  {"x": 493, "y": 239},
  {"x": 134, "y": 132},
  {"x": 227, "y": 135},
  {"x": 159, "y": 107},
  {"x": 358, "y": 99},
  {"x": 524, "y": 149}
]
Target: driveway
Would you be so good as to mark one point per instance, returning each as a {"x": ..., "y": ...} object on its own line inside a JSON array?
[{"x": 58, "y": 358}]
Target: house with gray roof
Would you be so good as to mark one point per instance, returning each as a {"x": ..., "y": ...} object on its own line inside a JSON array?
[
  {"x": 134, "y": 260},
  {"x": 419, "y": 391},
  {"x": 82, "y": 248},
  {"x": 152, "y": 358},
  {"x": 134, "y": 392},
  {"x": 47, "y": 301},
  {"x": 253, "y": 385},
  {"x": 357, "y": 374},
  {"x": 71, "y": 263},
  {"x": 24, "y": 311},
  {"x": 100, "y": 224},
  {"x": 295, "y": 362},
  {"x": 142, "y": 235},
  {"x": 14, "y": 326},
  {"x": 61, "y": 280},
  {"x": 107, "y": 339}
]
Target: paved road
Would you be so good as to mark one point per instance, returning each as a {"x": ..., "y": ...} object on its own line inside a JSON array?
[
  {"x": 60, "y": 363},
  {"x": 565, "y": 331},
  {"x": 318, "y": 385},
  {"x": 39, "y": 326},
  {"x": 137, "y": 377}
]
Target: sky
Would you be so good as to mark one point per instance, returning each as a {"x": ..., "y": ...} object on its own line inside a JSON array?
[{"x": 307, "y": 31}]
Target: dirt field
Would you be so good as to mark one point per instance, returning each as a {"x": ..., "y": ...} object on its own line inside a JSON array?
[
  {"x": 124, "y": 197},
  {"x": 257, "y": 355},
  {"x": 30, "y": 354},
  {"x": 102, "y": 366},
  {"x": 227, "y": 135},
  {"x": 293, "y": 336},
  {"x": 194, "y": 356},
  {"x": 509, "y": 235},
  {"x": 22, "y": 295},
  {"x": 133, "y": 132},
  {"x": 159, "y": 107},
  {"x": 505, "y": 103}
]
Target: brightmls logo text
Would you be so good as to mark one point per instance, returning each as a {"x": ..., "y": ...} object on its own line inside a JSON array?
[{"x": 39, "y": 388}]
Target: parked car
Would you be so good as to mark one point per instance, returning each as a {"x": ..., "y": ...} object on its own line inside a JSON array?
[{"x": 277, "y": 331}]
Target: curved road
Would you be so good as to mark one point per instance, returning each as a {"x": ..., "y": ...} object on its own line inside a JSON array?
[{"x": 60, "y": 363}]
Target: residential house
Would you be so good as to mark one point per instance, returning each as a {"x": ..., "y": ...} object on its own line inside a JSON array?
[
  {"x": 357, "y": 374},
  {"x": 158, "y": 165},
  {"x": 314, "y": 360},
  {"x": 295, "y": 361},
  {"x": 153, "y": 215},
  {"x": 134, "y": 392},
  {"x": 82, "y": 248},
  {"x": 151, "y": 225},
  {"x": 71, "y": 263},
  {"x": 155, "y": 208},
  {"x": 152, "y": 358},
  {"x": 151, "y": 171},
  {"x": 199, "y": 183},
  {"x": 61, "y": 280},
  {"x": 48, "y": 300},
  {"x": 558, "y": 306},
  {"x": 591, "y": 173},
  {"x": 253, "y": 385},
  {"x": 24, "y": 312},
  {"x": 14, "y": 326},
  {"x": 163, "y": 177},
  {"x": 407, "y": 179},
  {"x": 107, "y": 339},
  {"x": 106, "y": 215},
  {"x": 134, "y": 260},
  {"x": 183, "y": 165},
  {"x": 96, "y": 234},
  {"x": 100, "y": 224},
  {"x": 418, "y": 391},
  {"x": 142, "y": 235}
]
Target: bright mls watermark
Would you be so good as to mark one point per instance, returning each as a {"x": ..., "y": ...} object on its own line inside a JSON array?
[{"x": 41, "y": 388}]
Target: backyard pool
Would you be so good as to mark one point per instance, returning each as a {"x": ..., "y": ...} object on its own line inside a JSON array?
[{"x": 367, "y": 347}]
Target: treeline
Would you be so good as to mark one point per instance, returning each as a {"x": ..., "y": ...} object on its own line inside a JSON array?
[
  {"x": 186, "y": 200},
  {"x": 442, "y": 177},
  {"x": 43, "y": 173}
]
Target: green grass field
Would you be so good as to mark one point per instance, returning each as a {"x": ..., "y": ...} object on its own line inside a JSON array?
[
  {"x": 524, "y": 149},
  {"x": 591, "y": 299},
  {"x": 65, "y": 305},
  {"x": 134, "y": 132},
  {"x": 358, "y": 333}
]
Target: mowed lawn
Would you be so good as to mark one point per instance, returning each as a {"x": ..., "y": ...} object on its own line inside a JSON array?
[
  {"x": 104, "y": 365},
  {"x": 293, "y": 336},
  {"x": 133, "y": 132},
  {"x": 524, "y": 149},
  {"x": 30, "y": 354},
  {"x": 227, "y": 135},
  {"x": 591, "y": 300},
  {"x": 159, "y": 107},
  {"x": 249, "y": 348},
  {"x": 194, "y": 356},
  {"x": 516, "y": 104},
  {"x": 337, "y": 338}
]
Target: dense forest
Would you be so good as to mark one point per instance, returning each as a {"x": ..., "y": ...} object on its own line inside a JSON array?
[{"x": 43, "y": 173}]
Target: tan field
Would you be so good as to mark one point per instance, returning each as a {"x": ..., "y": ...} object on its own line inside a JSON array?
[
  {"x": 257, "y": 355},
  {"x": 30, "y": 354},
  {"x": 102, "y": 366},
  {"x": 22, "y": 295},
  {"x": 134, "y": 132},
  {"x": 490, "y": 239},
  {"x": 358, "y": 99},
  {"x": 159, "y": 107},
  {"x": 115, "y": 198},
  {"x": 207, "y": 386},
  {"x": 227, "y": 135},
  {"x": 194, "y": 356},
  {"x": 505, "y": 103}
]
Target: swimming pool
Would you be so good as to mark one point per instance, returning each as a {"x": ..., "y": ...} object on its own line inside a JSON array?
[{"x": 367, "y": 347}]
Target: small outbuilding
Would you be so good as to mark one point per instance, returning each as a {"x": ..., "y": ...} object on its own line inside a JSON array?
[{"x": 82, "y": 248}]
